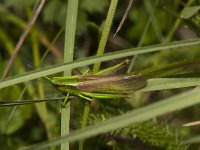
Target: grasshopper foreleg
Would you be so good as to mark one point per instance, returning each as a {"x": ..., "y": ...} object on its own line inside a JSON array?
[
  {"x": 111, "y": 70},
  {"x": 65, "y": 100}
]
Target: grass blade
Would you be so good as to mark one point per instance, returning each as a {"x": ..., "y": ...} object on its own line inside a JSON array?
[
  {"x": 70, "y": 29},
  {"x": 174, "y": 103},
  {"x": 91, "y": 60}
]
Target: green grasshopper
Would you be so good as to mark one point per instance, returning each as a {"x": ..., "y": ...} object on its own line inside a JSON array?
[
  {"x": 101, "y": 85},
  {"x": 105, "y": 85}
]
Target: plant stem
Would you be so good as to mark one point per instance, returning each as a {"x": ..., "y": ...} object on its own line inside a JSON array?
[
  {"x": 105, "y": 32},
  {"x": 176, "y": 25},
  {"x": 84, "y": 122},
  {"x": 100, "y": 51},
  {"x": 70, "y": 29}
]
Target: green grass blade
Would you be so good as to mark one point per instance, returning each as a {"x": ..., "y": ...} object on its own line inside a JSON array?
[
  {"x": 170, "y": 83},
  {"x": 105, "y": 33},
  {"x": 167, "y": 105},
  {"x": 70, "y": 30},
  {"x": 100, "y": 51},
  {"x": 91, "y": 60}
]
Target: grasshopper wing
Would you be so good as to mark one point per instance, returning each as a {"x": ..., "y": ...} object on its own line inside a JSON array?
[{"x": 113, "y": 84}]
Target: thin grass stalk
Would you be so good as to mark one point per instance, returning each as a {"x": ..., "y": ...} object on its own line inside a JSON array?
[
  {"x": 70, "y": 28},
  {"x": 91, "y": 60},
  {"x": 155, "y": 23},
  {"x": 22, "y": 38},
  {"x": 41, "y": 108},
  {"x": 100, "y": 51},
  {"x": 22, "y": 25},
  {"x": 176, "y": 25},
  {"x": 146, "y": 28},
  {"x": 105, "y": 32}
]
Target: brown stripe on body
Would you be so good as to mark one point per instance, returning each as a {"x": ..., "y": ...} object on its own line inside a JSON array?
[{"x": 113, "y": 84}]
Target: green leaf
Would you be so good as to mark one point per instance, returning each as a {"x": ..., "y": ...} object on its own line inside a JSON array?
[{"x": 189, "y": 12}]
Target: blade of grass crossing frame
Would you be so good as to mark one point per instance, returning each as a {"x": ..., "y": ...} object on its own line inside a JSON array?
[
  {"x": 70, "y": 28},
  {"x": 90, "y": 60}
]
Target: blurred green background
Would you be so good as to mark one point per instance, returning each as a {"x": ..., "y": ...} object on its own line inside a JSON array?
[{"x": 148, "y": 22}]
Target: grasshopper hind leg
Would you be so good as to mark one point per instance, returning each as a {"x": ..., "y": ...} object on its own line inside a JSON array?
[
  {"x": 90, "y": 96},
  {"x": 103, "y": 95},
  {"x": 85, "y": 97}
]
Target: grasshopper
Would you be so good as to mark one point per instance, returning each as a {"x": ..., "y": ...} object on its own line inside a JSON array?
[
  {"x": 100, "y": 85},
  {"x": 105, "y": 85}
]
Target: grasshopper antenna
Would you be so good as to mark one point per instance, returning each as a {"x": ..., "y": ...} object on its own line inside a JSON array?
[{"x": 47, "y": 78}]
